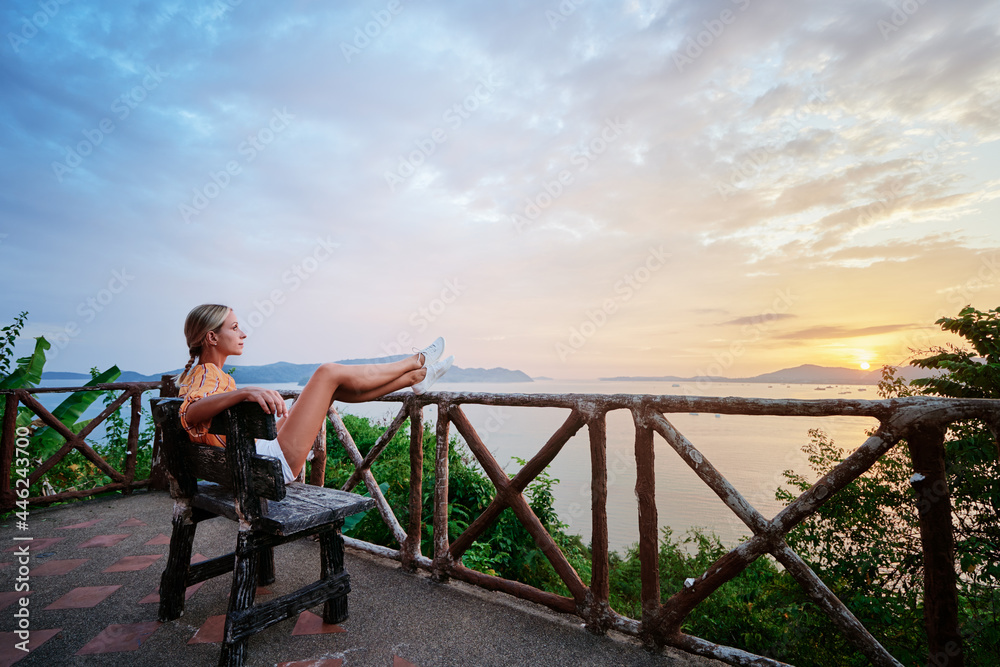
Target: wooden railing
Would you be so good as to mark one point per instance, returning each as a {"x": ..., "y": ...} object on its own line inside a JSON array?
[
  {"x": 920, "y": 421},
  {"x": 122, "y": 480}
]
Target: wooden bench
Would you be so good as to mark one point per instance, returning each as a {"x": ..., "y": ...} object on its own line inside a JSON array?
[{"x": 248, "y": 488}]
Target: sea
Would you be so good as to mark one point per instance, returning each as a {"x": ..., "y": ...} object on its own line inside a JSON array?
[{"x": 752, "y": 452}]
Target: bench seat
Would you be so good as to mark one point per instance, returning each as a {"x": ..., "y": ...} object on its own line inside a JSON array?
[{"x": 303, "y": 507}]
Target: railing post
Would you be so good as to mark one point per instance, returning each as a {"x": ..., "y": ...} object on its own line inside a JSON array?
[
  {"x": 317, "y": 467},
  {"x": 599, "y": 620},
  {"x": 442, "y": 557},
  {"x": 158, "y": 467},
  {"x": 132, "y": 444},
  {"x": 8, "y": 438},
  {"x": 645, "y": 492},
  {"x": 411, "y": 548},
  {"x": 930, "y": 484}
]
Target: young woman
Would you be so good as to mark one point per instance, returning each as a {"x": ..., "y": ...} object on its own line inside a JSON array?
[{"x": 213, "y": 334}]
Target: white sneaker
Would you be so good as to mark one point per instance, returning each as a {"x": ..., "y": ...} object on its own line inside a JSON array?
[
  {"x": 434, "y": 373},
  {"x": 432, "y": 352}
]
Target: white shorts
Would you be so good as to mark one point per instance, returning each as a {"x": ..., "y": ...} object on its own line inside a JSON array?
[{"x": 272, "y": 448}]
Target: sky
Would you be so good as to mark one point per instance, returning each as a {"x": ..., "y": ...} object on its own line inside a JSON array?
[{"x": 574, "y": 189}]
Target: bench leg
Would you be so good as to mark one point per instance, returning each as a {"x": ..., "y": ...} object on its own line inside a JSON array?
[
  {"x": 174, "y": 579},
  {"x": 241, "y": 597},
  {"x": 331, "y": 548},
  {"x": 265, "y": 566}
]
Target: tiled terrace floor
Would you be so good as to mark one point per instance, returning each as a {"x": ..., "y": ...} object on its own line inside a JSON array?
[{"x": 95, "y": 569}]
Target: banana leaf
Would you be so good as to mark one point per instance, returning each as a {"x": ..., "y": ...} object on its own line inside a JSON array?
[
  {"x": 29, "y": 369},
  {"x": 352, "y": 521},
  {"x": 46, "y": 441}
]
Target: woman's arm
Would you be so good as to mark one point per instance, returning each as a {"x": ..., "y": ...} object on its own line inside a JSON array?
[{"x": 205, "y": 408}]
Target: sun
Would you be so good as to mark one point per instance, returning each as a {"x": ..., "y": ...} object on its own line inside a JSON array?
[{"x": 865, "y": 365}]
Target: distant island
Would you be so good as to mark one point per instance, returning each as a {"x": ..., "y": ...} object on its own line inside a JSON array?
[
  {"x": 282, "y": 371},
  {"x": 804, "y": 374}
]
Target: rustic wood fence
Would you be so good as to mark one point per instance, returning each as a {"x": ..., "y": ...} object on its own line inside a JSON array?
[
  {"x": 122, "y": 480},
  {"x": 921, "y": 421}
]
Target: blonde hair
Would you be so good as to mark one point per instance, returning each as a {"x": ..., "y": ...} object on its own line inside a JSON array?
[{"x": 202, "y": 319}]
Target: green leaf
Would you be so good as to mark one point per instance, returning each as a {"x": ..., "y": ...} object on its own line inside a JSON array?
[
  {"x": 24, "y": 417},
  {"x": 8, "y": 338},
  {"x": 46, "y": 440},
  {"x": 352, "y": 521},
  {"x": 29, "y": 369}
]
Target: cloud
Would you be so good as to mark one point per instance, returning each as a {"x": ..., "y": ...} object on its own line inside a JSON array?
[
  {"x": 802, "y": 150},
  {"x": 834, "y": 331},
  {"x": 757, "y": 319}
]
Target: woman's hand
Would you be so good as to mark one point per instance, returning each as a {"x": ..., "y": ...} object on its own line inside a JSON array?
[{"x": 270, "y": 400}]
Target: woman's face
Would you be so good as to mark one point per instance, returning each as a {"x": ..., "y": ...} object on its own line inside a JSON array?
[{"x": 229, "y": 339}]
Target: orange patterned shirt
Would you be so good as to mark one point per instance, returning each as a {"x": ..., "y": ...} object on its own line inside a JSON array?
[{"x": 201, "y": 381}]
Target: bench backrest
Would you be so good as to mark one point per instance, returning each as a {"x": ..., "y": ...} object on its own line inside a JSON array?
[{"x": 236, "y": 466}]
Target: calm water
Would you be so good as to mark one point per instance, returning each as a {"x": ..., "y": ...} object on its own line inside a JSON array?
[{"x": 751, "y": 452}]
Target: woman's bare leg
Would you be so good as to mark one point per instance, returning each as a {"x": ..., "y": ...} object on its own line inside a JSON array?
[
  {"x": 402, "y": 382},
  {"x": 347, "y": 383}
]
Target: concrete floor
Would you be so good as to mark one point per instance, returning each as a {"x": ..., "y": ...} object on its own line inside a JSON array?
[{"x": 102, "y": 611}]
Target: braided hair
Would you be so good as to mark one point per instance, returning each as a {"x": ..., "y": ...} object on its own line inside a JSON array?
[{"x": 202, "y": 319}]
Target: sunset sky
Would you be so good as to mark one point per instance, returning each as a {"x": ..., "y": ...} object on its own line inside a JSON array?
[{"x": 572, "y": 189}]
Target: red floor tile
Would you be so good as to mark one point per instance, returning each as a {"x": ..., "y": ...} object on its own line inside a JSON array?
[
  {"x": 103, "y": 541},
  {"x": 159, "y": 539},
  {"x": 7, "y": 598},
  {"x": 154, "y": 597},
  {"x": 312, "y": 624},
  {"x": 399, "y": 662},
  {"x": 36, "y": 545},
  {"x": 116, "y": 638},
  {"x": 321, "y": 662},
  {"x": 9, "y": 653},
  {"x": 83, "y": 597},
  {"x": 56, "y": 567},
  {"x": 134, "y": 563},
  {"x": 85, "y": 524},
  {"x": 131, "y": 523},
  {"x": 211, "y": 632}
]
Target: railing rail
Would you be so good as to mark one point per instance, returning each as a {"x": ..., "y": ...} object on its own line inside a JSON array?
[{"x": 921, "y": 421}]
